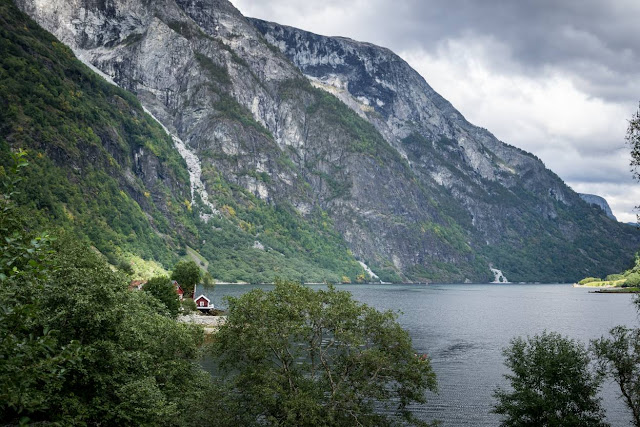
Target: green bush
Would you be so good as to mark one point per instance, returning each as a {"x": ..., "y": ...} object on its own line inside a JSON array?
[
  {"x": 188, "y": 305},
  {"x": 613, "y": 277},
  {"x": 163, "y": 290},
  {"x": 633, "y": 280},
  {"x": 589, "y": 280}
]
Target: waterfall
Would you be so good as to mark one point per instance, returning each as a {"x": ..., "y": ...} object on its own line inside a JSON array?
[
  {"x": 194, "y": 168},
  {"x": 498, "y": 276},
  {"x": 368, "y": 270}
]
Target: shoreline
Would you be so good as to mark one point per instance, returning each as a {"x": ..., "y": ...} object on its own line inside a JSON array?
[
  {"x": 576, "y": 285},
  {"x": 210, "y": 324}
]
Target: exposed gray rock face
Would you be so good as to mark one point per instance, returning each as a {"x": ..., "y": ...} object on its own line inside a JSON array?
[
  {"x": 415, "y": 190},
  {"x": 600, "y": 202}
]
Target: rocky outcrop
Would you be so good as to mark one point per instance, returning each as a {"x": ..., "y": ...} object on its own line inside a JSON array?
[
  {"x": 344, "y": 132},
  {"x": 600, "y": 202}
]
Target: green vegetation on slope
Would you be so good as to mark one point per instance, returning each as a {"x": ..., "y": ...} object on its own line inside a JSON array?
[
  {"x": 93, "y": 152},
  {"x": 82, "y": 132}
]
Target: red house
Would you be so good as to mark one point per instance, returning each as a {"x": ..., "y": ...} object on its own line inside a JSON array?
[
  {"x": 179, "y": 290},
  {"x": 203, "y": 303}
]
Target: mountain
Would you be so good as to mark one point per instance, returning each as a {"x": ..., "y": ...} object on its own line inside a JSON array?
[
  {"x": 600, "y": 202},
  {"x": 300, "y": 146},
  {"x": 103, "y": 169}
]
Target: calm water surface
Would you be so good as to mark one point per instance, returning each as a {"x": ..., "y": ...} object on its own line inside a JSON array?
[{"x": 463, "y": 328}]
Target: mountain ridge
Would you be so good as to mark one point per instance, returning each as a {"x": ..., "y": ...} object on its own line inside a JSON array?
[{"x": 416, "y": 194}]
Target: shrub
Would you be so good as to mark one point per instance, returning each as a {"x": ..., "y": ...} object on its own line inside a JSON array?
[
  {"x": 589, "y": 280},
  {"x": 613, "y": 277},
  {"x": 188, "y": 305},
  {"x": 552, "y": 384},
  {"x": 632, "y": 280},
  {"x": 125, "y": 267}
]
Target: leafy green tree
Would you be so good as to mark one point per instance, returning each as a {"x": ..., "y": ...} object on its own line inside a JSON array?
[
  {"x": 552, "y": 384},
  {"x": 162, "y": 289},
  {"x": 619, "y": 358},
  {"x": 207, "y": 280},
  {"x": 31, "y": 356},
  {"x": 187, "y": 274},
  {"x": 299, "y": 357},
  {"x": 633, "y": 139}
]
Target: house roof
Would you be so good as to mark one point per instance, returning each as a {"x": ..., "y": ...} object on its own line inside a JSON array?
[
  {"x": 137, "y": 284},
  {"x": 202, "y": 296}
]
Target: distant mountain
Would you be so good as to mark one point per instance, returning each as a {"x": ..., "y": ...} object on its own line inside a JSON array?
[
  {"x": 600, "y": 202},
  {"x": 300, "y": 146}
]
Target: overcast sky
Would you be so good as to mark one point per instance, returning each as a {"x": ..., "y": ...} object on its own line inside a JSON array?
[{"x": 558, "y": 78}]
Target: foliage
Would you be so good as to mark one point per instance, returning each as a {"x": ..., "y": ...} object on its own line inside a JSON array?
[
  {"x": 633, "y": 139},
  {"x": 187, "y": 274},
  {"x": 82, "y": 132},
  {"x": 217, "y": 72},
  {"x": 207, "y": 280},
  {"x": 589, "y": 280},
  {"x": 613, "y": 277},
  {"x": 552, "y": 384},
  {"x": 163, "y": 290},
  {"x": 619, "y": 358},
  {"x": 305, "y": 248},
  {"x": 295, "y": 356},
  {"x": 77, "y": 348},
  {"x": 188, "y": 305},
  {"x": 632, "y": 280}
]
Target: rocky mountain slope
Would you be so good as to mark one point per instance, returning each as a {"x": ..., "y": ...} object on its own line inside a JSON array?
[
  {"x": 599, "y": 202},
  {"x": 320, "y": 134},
  {"x": 104, "y": 170}
]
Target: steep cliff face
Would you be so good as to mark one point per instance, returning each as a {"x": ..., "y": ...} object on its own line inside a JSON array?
[
  {"x": 414, "y": 190},
  {"x": 600, "y": 202}
]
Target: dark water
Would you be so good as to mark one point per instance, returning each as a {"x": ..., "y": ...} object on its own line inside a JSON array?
[{"x": 463, "y": 328}]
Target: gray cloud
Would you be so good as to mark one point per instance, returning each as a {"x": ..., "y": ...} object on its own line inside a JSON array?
[
  {"x": 558, "y": 78},
  {"x": 596, "y": 40}
]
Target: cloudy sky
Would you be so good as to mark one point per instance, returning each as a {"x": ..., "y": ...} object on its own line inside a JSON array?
[{"x": 558, "y": 78}]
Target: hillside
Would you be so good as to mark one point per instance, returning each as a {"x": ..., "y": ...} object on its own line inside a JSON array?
[
  {"x": 104, "y": 169},
  {"x": 307, "y": 152}
]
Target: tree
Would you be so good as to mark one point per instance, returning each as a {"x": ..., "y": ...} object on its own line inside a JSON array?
[
  {"x": 162, "y": 289},
  {"x": 299, "y": 357},
  {"x": 552, "y": 384},
  {"x": 633, "y": 139},
  {"x": 76, "y": 347},
  {"x": 619, "y": 358},
  {"x": 187, "y": 274}
]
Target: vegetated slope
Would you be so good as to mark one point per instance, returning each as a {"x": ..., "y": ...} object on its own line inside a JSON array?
[
  {"x": 416, "y": 192},
  {"x": 102, "y": 167}
]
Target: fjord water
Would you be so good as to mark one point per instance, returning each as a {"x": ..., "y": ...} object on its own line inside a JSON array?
[{"x": 463, "y": 328}]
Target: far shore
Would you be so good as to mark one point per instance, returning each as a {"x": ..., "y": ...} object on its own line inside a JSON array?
[{"x": 589, "y": 285}]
